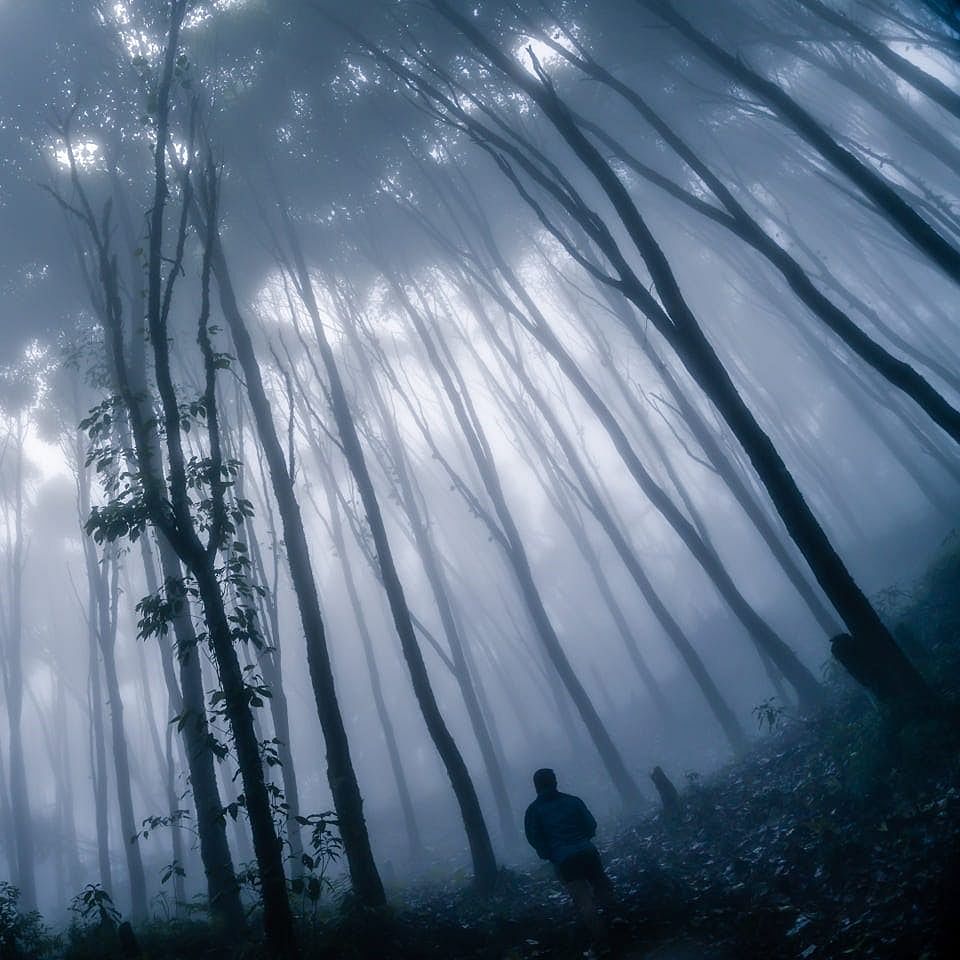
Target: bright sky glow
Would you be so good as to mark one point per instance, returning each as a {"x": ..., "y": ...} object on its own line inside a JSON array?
[
  {"x": 85, "y": 152},
  {"x": 543, "y": 51}
]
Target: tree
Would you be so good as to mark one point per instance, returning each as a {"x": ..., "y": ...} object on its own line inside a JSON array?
[
  {"x": 142, "y": 498},
  {"x": 11, "y": 626},
  {"x": 676, "y": 322}
]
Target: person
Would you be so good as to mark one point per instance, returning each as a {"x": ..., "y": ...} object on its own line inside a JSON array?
[{"x": 561, "y": 829}]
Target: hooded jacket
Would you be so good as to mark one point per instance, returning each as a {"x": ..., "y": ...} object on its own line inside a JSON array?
[{"x": 558, "y": 826}]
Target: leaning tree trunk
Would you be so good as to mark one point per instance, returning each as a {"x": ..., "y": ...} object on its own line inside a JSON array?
[
  {"x": 423, "y": 541},
  {"x": 556, "y": 491},
  {"x": 484, "y": 861},
  {"x": 722, "y": 711},
  {"x": 517, "y": 555},
  {"x": 728, "y": 472},
  {"x": 677, "y": 323},
  {"x": 376, "y": 685},
  {"x": 769, "y": 644}
]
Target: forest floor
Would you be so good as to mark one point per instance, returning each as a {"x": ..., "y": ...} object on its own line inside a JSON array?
[
  {"x": 836, "y": 837},
  {"x": 783, "y": 855}
]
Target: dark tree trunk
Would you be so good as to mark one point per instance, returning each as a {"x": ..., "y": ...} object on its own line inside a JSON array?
[
  {"x": 423, "y": 541},
  {"x": 484, "y": 861},
  {"x": 888, "y": 202},
  {"x": 226, "y": 908},
  {"x": 677, "y": 323},
  {"x": 340, "y": 772},
  {"x": 277, "y": 918},
  {"x": 517, "y": 555},
  {"x": 376, "y": 686}
]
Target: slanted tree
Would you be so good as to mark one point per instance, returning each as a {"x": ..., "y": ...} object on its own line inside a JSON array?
[
  {"x": 673, "y": 318},
  {"x": 481, "y": 849}
]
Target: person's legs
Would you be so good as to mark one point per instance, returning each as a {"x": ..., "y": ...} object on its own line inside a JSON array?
[
  {"x": 578, "y": 874},
  {"x": 581, "y": 892},
  {"x": 601, "y": 883}
]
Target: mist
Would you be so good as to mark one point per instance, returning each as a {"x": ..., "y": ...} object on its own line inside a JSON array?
[{"x": 399, "y": 398}]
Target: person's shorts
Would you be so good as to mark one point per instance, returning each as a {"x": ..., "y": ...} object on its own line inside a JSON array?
[{"x": 585, "y": 865}]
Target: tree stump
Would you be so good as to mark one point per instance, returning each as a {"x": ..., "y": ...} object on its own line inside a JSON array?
[
  {"x": 129, "y": 945},
  {"x": 669, "y": 795}
]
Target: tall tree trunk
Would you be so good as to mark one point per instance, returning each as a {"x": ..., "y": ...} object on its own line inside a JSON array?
[
  {"x": 900, "y": 681},
  {"x": 516, "y": 553},
  {"x": 104, "y": 574},
  {"x": 440, "y": 588},
  {"x": 484, "y": 861},
  {"x": 376, "y": 685},
  {"x": 226, "y": 909},
  {"x": 13, "y": 676},
  {"x": 340, "y": 772}
]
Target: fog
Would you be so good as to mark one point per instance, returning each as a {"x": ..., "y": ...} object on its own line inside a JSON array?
[{"x": 396, "y": 398}]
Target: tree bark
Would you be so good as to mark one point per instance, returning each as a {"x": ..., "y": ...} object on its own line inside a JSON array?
[
  {"x": 677, "y": 323},
  {"x": 516, "y": 553},
  {"x": 484, "y": 861},
  {"x": 888, "y": 202},
  {"x": 340, "y": 772}
]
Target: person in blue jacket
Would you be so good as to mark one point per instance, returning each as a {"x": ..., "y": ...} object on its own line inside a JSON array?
[{"x": 561, "y": 829}]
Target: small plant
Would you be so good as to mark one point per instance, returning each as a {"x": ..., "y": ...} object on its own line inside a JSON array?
[
  {"x": 94, "y": 906},
  {"x": 326, "y": 849},
  {"x": 770, "y": 714}
]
